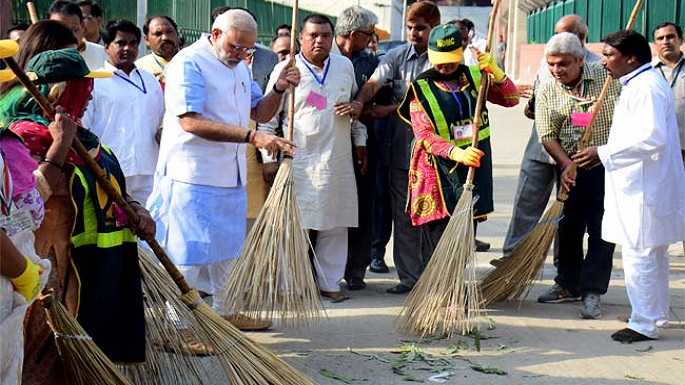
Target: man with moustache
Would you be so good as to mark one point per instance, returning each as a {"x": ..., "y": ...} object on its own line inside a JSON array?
[
  {"x": 199, "y": 198},
  {"x": 645, "y": 183},
  {"x": 398, "y": 68},
  {"x": 670, "y": 60},
  {"x": 322, "y": 166},
  {"x": 131, "y": 134},
  {"x": 161, "y": 35}
]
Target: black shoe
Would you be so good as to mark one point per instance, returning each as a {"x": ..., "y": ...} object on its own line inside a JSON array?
[
  {"x": 378, "y": 266},
  {"x": 399, "y": 289},
  {"x": 482, "y": 246},
  {"x": 498, "y": 261},
  {"x": 628, "y": 336},
  {"x": 356, "y": 284}
]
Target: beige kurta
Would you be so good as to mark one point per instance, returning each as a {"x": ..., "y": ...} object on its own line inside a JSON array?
[{"x": 322, "y": 165}]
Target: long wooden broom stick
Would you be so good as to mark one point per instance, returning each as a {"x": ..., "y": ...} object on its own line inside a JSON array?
[
  {"x": 242, "y": 346},
  {"x": 33, "y": 16}
]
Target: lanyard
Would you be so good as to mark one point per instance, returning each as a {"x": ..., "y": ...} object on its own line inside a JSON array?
[
  {"x": 623, "y": 84},
  {"x": 455, "y": 96},
  {"x": 127, "y": 80},
  {"x": 321, "y": 81},
  {"x": 674, "y": 75},
  {"x": 580, "y": 99}
]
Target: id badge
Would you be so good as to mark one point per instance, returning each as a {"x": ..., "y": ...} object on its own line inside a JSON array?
[
  {"x": 462, "y": 132},
  {"x": 580, "y": 119},
  {"x": 317, "y": 100},
  {"x": 18, "y": 220}
]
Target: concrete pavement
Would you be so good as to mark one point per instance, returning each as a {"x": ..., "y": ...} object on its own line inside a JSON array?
[{"x": 528, "y": 342}]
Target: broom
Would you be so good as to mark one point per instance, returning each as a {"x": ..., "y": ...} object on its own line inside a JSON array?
[
  {"x": 515, "y": 273},
  {"x": 447, "y": 296},
  {"x": 274, "y": 261},
  {"x": 84, "y": 361},
  {"x": 250, "y": 358}
]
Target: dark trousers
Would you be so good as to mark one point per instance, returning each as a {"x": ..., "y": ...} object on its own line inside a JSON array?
[
  {"x": 406, "y": 238},
  {"x": 583, "y": 212},
  {"x": 360, "y": 238},
  {"x": 382, "y": 209}
]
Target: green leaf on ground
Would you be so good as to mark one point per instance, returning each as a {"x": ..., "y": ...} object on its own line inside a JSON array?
[
  {"x": 333, "y": 375},
  {"x": 455, "y": 348},
  {"x": 648, "y": 348},
  {"x": 488, "y": 369},
  {"x": 370, "y": 356}
]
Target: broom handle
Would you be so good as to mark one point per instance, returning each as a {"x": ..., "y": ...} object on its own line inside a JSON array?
[
  {"x": 32, "y": 12},
  {"x": 101, "y": 176},
  {"x": 588, "y": 130},
  {"x": 482, "y": 90},
  {"x": 293, "y": 49},
  {"x": 563, "y": 194}
]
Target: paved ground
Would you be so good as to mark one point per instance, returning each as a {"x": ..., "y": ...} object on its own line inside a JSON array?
[{"x": 529, "y": 343}]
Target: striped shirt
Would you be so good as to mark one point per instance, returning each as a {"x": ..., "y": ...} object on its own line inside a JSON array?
[{"x": 555, "y": 103}]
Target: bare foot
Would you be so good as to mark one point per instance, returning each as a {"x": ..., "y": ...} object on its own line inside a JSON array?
[{"x": 335, "y": 296}]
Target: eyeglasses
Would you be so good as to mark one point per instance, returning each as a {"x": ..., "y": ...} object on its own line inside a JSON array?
[{"x": 241, "y": 49}]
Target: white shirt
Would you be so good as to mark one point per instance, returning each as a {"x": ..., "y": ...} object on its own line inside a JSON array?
[
  {"x": 322, "y": 165},
  {"x": 644, "y": 201},
  {"x": 94, "y": 55},
  {"x": 196, "y": 81},
  {"x": 125, "y": 112}
]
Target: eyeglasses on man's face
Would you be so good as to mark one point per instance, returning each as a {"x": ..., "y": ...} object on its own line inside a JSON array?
[{"x": 240, "y": 49}]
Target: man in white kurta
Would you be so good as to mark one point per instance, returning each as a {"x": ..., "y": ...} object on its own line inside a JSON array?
[
  {"x": 126, "y": 110},
  {"x": 322, "y": 164},
  {"x": 645, "y": 183},
  {"x": 199, "y": 200}
]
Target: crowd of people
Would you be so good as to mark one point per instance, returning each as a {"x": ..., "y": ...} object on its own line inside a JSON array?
[{"x": 193, "y": 136}]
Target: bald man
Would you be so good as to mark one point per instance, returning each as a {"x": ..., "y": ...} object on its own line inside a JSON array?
[{"x": 538, "y": 172}]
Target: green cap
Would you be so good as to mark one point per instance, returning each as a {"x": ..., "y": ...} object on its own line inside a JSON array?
[
  {"x": 60, "y": 65},
  {"x": 444, "y": 44}
]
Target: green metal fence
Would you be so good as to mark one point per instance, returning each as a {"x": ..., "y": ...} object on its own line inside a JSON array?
[
  {"x": 604, "y": 16},
  {"x": 192, "y": 17}
]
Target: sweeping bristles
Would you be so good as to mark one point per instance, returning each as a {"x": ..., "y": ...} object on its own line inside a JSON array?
[
  {"x": 169, "y": 327},
  {"x": 273, "y": 272},
  {"x": 446, "y": 297},
  {"x": 84, "y": 362},
  {"x": 243, "y": 360},
  {"x": 511, "y": 278}
]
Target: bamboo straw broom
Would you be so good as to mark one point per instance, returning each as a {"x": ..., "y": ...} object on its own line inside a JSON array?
[
  {"x": 447, "y": 296},
  {"x": 515, "y": 273},
  {"x": 243, "y": 360},
  {"x": 274, "y": 261}
]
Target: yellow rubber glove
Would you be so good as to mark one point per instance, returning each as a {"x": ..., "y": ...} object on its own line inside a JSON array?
[
  {"x": 469, "y": 157},
  {"x": 28, "y": 282},
  {"x": 486, "y": 62}
]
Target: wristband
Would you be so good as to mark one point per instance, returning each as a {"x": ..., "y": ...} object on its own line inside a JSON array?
[
  {"x": 276, "y": 90},
  {"x": 247, "y": 136}
]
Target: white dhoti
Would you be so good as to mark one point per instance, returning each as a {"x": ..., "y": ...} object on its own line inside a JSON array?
[
  {"x": 646, "y": 276},
  {"x": 331, "y": 257}
]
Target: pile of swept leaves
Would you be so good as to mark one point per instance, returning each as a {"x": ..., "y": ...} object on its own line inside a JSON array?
[{"x": 409, "y": 358}]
